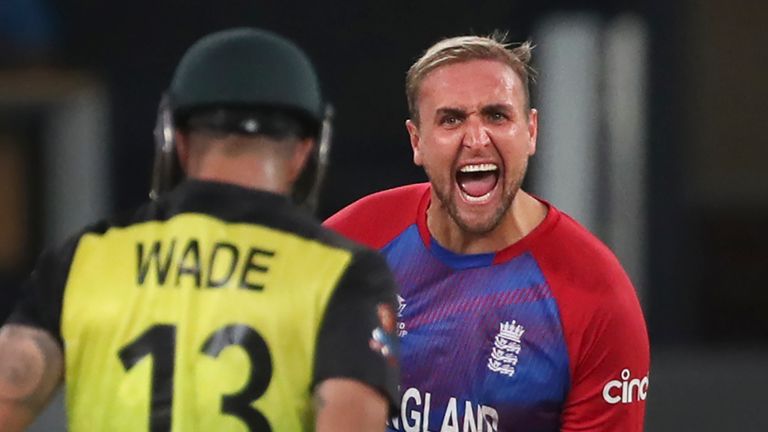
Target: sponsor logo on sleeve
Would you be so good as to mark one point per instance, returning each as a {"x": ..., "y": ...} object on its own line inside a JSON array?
[
  {"x": 382, "y": 337},
  {"x": 625, "y": 390}
]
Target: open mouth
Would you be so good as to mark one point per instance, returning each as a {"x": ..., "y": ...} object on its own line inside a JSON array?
[{"x": 477, "y": 181}]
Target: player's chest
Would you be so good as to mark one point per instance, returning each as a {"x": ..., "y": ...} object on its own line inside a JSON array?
[{"x": 481, "y": 350}]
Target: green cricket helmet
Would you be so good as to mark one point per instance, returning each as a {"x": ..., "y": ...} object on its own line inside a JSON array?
[{"x": 267, "y": 85}]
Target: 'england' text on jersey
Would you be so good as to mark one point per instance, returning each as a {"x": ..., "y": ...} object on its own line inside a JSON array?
[
  {"x": 415, "y": 408},
  {"x": 211, "y": 267}
]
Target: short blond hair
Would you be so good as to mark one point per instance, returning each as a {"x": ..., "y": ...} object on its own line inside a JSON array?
[{"x": 465, "y": 48}]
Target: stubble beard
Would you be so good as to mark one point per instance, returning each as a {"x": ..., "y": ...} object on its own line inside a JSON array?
[{"x": 484, "y": 227}]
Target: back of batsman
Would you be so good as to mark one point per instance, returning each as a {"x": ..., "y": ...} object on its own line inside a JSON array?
[{"x": 221, "y": 304}]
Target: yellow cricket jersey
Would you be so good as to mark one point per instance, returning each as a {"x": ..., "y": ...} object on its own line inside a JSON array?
[{"x": 216, "y": 309}]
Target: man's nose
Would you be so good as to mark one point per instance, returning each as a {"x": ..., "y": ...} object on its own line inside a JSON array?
[{"x": 476, "y": 133}]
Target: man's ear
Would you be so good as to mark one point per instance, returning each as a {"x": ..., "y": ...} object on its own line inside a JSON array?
[
  {"x": 533, "y": 130},
  {"x": 413, "y": 134},
  {"x": 181, "y": 142},
  {"x": 300, "y": 157}
]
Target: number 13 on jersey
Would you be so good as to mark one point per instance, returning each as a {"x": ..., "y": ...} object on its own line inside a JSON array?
[{"x": 159, "y": 344}]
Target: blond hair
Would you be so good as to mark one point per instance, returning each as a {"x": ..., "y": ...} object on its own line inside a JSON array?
[{"x": 465, "y": 48}]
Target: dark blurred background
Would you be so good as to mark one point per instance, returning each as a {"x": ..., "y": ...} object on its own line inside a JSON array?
[{"x": 651, "y": 115}]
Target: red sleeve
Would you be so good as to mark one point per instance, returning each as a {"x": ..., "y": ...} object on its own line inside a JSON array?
[
  {"x": 604, "y": 330},
  {"x": 376, "y": 219}
]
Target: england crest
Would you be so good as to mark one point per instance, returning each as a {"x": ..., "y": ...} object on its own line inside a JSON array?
[{"x": 506, "y": 347}]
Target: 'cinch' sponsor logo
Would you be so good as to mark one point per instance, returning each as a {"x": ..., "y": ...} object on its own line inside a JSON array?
[{"x": 626, "y": 390}]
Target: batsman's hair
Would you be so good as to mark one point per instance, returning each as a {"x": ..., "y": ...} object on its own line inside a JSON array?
[{"x": 466, "y": 48}]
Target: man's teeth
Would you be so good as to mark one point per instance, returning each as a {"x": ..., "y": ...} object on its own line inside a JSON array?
[
  {"x": 471, "y": 198},
  {"x": 479, "y": 168}
]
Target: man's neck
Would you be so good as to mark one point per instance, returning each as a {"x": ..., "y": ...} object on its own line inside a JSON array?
[
  {"x": 253, "y": 173},
  {"x": 522, "y": 217}
]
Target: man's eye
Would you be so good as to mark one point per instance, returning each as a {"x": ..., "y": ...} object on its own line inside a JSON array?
[
  {"x": 450, "y": 120},
  {"x": 497, "y": 116}
]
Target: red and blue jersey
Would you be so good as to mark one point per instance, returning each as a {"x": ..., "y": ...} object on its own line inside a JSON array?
[{"x": 544, "y": 335}]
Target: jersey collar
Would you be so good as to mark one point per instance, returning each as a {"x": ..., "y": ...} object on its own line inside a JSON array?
[{"x": 463, "y": 261}]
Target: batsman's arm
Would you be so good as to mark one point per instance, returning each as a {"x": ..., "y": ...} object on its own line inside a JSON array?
[
  {"x": 31, "y": 368},
  {"x": 345, "y": 405}
]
